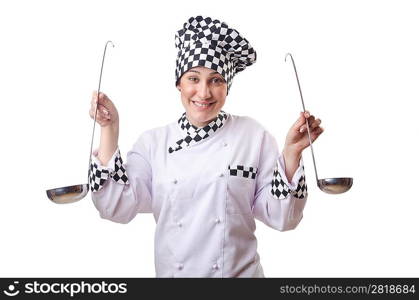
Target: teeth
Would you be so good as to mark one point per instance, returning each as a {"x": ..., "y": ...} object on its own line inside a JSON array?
[{"x": 201, "y": 104}]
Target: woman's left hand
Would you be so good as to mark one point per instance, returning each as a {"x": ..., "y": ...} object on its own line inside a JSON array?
[{"x": 297, "y": 139}]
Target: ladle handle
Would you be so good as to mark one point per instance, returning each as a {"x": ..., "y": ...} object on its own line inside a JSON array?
[
  {"x": 94, "y": 121},
  {"x": 304, "y": 109}
]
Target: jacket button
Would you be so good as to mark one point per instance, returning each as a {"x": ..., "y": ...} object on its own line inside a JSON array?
[
  {"x": 215, "y": 267},
  {"x": 180, "y": 266},
  {"x": 225, "y": 144},
  {"x": 174, "y": 181},
  {"x": 217, "y": 220},
  {"x": 179, "y": 224},
  {"x": 222, "y": 175}
]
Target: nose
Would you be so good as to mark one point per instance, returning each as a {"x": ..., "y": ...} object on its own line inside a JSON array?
[{"x": 204, "y": 91}]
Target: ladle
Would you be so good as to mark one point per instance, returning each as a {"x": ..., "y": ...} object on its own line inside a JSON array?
[
  {"x": 337, "y": 185},
  {"x": 73, "y": 193}
]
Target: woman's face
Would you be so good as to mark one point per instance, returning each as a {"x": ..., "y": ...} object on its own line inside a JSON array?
[{"x": 203, "y": 92}]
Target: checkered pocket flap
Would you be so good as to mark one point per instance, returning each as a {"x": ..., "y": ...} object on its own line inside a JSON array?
[
  {"x": 243, "y": 171},
  {"x": 100, "y": 174}
]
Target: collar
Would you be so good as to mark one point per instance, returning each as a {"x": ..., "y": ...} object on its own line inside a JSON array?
[{"x": 195, "y": 134}]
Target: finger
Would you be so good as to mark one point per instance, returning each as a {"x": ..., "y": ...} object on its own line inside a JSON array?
[
  {"x": 304, "y": 129},
  {"x": 310, "y": 120},
  {"x": 105, "y": 114},
  {"x": 102, "y": 109},
  {"x": 103, "y": 99},
  {"x": 300, "y": 121},
  {"x": 316, "y": 133},
  {"x": 315, "y": 123},
  {"x": 101, "y": 119},
  {"x": 312, "y": 123},
  {"x": 102, "y": 112},
  {"x": 99, "y": 116}
]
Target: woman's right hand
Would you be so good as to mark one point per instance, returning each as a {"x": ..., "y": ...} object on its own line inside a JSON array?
[{"x": 107, "y": 114}]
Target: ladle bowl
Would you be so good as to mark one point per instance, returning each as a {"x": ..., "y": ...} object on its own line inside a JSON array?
[
  {"x": 68, "y": 194},
  {"x": 335, "y": 185}
]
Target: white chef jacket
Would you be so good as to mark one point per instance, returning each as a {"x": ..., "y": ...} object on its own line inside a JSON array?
[{"x": 205, "y": 218}]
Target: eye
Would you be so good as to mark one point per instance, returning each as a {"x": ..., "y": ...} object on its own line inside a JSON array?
[
  {"x": 193, "y": 79},
  {"x": 217, "y": 80}
]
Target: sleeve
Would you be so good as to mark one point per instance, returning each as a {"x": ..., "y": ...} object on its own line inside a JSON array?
[
  {"x": 278, "y": 203},
  {"x": 120, "y": 191}
]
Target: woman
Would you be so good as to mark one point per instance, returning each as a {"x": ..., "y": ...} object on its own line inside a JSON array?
[{"x": 207, "y": 176}]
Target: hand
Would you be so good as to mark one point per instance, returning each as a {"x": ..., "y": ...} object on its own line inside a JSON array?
[
  {"x": 107, "y": 113},
  {"x": 297, "y": 137}
]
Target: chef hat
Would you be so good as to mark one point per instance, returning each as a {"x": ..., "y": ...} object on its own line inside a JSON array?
[{"x": 210, "y": 43}]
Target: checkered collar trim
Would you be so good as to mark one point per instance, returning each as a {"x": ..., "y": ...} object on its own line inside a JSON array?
[{"x": 194, "y": 134}]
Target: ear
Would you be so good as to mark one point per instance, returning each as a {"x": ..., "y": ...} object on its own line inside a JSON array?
[{"x": 178, "y": 84}]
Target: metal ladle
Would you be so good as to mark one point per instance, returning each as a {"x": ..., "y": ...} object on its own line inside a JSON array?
[
  {"x": 73, "y": 193},
  {"x": 337, "y": 185}
]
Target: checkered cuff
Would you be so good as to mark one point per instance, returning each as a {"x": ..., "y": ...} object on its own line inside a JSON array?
[
  {"x": 280, "y": 188},
  {"x": 100, "y": 174}
]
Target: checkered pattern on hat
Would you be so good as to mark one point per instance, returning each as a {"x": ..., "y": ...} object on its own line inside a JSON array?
[
  {"x": 195, "y": 134},
  {"x": 210, "y": 43},
  {"x": 280, "y": 189},
  {"x": 242, "y": 171},
  {"x": 99, "y": 174}
]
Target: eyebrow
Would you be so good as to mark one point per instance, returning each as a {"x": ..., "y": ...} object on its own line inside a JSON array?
[{"x": 195, "y": 71}]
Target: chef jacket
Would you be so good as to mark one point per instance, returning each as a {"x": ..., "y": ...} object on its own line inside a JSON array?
[{"x": 204, "y": 197}]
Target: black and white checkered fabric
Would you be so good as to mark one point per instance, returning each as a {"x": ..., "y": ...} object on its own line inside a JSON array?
[
  {"x": 210, "y": 43},
  {"x": 99, "y": 174},
  {"x": 195, "y": 134},
  {"x": 280, "y": 189},
  {"x": 242, "y": 171}
]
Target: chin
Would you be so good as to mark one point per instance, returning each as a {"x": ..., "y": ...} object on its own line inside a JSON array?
[{"x": 202, "y": 117}]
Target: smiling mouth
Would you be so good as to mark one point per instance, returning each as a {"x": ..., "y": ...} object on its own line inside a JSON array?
[{"x": 202, "y": 105}]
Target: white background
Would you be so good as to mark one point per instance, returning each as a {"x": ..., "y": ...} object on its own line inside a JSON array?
[{"x": 358, "y": 66}]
